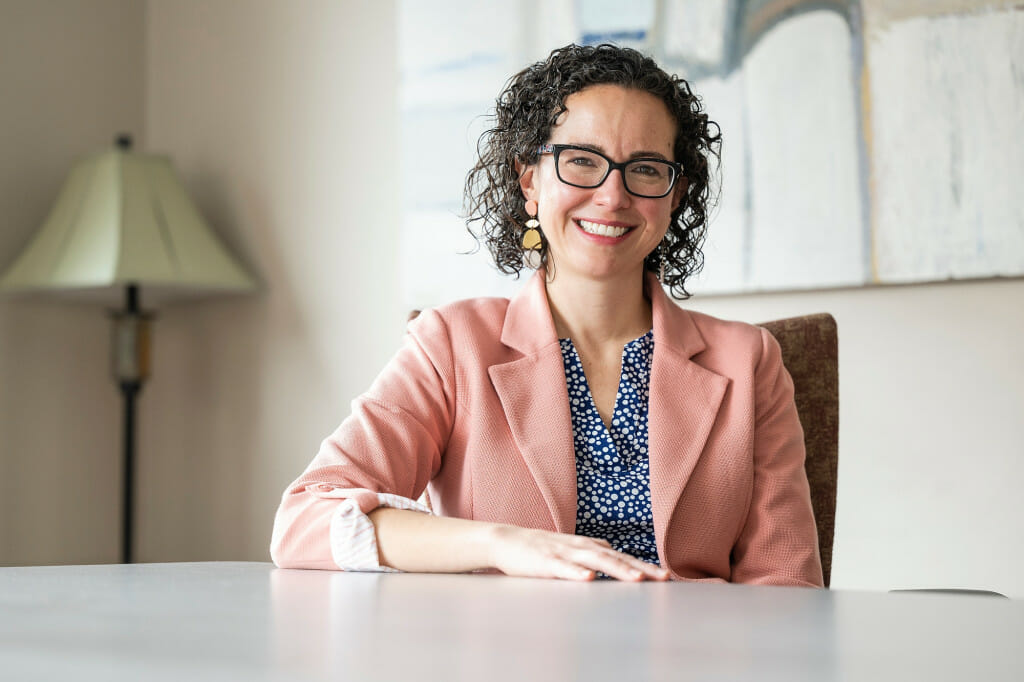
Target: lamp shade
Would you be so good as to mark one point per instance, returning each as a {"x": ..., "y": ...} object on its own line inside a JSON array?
[{"x": 123, "y": 218}]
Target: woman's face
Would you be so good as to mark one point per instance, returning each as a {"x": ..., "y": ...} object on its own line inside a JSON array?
[{"x": 604, "y": 233}]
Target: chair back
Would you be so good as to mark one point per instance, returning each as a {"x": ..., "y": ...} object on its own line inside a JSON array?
[{"x": 810, "y": 351}]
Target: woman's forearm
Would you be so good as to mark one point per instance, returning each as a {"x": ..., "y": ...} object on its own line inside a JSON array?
[
  {"x": 412, "y": 541},
  {"x": 417, "y": 542}
]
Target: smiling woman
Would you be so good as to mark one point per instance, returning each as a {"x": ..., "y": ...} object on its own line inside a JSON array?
[
  {"x": 537, "y": 101},
  {"x": 587, "y": 426}
]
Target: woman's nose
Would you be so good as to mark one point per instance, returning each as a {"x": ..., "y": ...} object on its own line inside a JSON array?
[{"x": 612, "y": 192}]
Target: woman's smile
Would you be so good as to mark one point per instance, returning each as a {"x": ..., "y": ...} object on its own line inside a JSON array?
[{"x": 607, "y": 229}]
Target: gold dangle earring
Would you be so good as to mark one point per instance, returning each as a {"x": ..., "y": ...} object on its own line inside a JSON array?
[{"x": 531, "y": 237}]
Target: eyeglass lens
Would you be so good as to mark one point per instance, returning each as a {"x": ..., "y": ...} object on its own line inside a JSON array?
[{"x": 645, "y": 177}]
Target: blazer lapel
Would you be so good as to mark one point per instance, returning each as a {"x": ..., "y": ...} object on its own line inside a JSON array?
[
  {"x": 684, "y": 403},
  {"x": 535, "y": 400}
]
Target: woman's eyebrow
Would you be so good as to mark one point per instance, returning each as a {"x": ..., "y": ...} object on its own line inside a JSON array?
[
  {"x": 639, "y": 154},
  {"x": 647, "y": 155}
]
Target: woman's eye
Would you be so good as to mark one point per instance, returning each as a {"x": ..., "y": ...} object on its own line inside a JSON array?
[
  {"x": 647, "y": 170},
  {"x": 583, "y": 161}
]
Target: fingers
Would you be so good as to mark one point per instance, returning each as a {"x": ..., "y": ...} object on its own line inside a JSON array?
[
  {"x": 527, "y": 552},
  {"x": 567, "y": 570},
  {"x": 586, "y": 557},
  {"x": 616, "y": 564}
]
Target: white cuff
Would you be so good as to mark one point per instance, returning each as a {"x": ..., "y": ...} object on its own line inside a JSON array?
[{"x": 353, "y": 537}]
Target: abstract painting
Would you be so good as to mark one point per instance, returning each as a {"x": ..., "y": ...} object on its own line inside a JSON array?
[{"x": 865, "y": 141}]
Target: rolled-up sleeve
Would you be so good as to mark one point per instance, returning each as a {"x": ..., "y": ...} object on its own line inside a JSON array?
[{"x": 352, "y": 537}]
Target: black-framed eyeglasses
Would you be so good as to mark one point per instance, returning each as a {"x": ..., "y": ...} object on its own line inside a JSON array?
[{"x": 582, "y": 167}]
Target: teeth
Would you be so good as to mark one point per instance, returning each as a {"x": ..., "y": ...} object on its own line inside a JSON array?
[{"x": 603, "y": 230}]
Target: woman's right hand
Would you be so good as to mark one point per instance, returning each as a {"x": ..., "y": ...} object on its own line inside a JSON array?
[
  {"x": 543, "y": 554},
  {"x": 416, "y": 542}
]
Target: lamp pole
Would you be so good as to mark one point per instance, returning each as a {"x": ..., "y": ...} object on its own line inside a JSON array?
[{"x": 131, "y": 368}]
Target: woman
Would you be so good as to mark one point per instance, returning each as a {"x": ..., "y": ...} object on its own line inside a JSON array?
[{"x": 588, "y": 426}]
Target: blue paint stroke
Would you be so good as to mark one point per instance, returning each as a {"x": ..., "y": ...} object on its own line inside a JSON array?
[{"x": 598, "y": 37}]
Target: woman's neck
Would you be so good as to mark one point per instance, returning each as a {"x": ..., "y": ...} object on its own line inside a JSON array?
[{"x": 596, "y": 312}]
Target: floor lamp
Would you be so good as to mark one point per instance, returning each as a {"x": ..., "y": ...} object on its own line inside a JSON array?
[{"x": 123, "y": 221}]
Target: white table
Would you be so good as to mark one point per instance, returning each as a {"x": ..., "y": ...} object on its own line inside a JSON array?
[{"x": 250, "y": 621}]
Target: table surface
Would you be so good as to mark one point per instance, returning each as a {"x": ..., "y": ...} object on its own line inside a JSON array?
[{"x": 250, "y": 621}]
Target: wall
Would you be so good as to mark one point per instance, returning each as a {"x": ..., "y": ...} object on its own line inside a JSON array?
[
  {"x": 282, "y": 121},
  {"x": 71, "y": 74}
]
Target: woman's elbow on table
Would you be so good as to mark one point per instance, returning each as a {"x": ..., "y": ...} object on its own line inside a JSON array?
[{"x": 301, "y": 535}]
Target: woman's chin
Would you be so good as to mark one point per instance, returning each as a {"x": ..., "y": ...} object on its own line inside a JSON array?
[{"x": 604, "y": 272}]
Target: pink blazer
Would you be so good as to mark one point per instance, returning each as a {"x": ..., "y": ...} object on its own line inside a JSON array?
[{"x": 474, "y": 407}]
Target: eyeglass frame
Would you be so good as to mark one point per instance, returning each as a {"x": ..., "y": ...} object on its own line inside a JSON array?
[{"x": 556, "y": 149}]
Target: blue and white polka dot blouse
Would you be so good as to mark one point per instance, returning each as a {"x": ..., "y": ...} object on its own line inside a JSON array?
[{"x": 613, "y": 480}]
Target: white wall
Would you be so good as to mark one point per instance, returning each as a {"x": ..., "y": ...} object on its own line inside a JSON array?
[
  {"x": 71, "y": 76},
  {"x": 281, "y": 118}
]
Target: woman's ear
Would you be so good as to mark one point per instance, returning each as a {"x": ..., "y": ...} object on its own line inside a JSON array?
[
  {"x": 526, "y": 179},
  {"x": 679, "y": 192}
]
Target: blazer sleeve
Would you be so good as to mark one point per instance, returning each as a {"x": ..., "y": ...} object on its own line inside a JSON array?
[
  {"x": 391, "y": 443},
  {"x": 778, "y": 543}
]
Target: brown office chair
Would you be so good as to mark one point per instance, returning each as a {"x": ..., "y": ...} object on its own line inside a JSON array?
[{"x": 810, "y": 351}]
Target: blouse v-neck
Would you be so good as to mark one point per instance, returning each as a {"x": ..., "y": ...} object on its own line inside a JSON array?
[{"x": 612, "y": 467}]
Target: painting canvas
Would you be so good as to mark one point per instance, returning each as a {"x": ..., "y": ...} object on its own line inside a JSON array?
[{"x": 865, "y": 141}]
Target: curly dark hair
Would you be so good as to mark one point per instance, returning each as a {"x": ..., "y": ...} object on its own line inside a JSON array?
[{"x": 528, "y": 108}]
